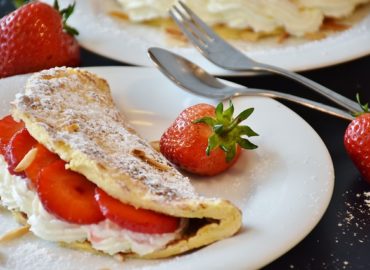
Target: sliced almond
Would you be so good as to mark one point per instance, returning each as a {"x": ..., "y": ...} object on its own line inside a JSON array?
[
  {"x": 14, "y": 234},
  {"x": 20, "y": 217},
  {"x": 26, "y": 161},
  {"x": 119, "y": 15},
  {"x": 141, "y": 154},
  {"x": 72, "y": 128},
  {"x": 155, "y": 145},
  {"x": 85, "y": 246}
]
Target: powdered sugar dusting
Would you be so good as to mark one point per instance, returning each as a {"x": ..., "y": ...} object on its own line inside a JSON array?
[
  {"x": 355, "y": 218},
  {"x": 367, "y": 199},
  {"x": 76, "y": 108},
  {"x": 353, "y": 224}
]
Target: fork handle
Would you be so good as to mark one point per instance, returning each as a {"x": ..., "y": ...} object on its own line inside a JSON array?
[
  {"x": 302, "y": 101},
  {"x": 341, "y": 100}
]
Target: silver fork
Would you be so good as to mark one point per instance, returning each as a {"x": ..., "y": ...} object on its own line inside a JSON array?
[{"x": 221, "y": 53}]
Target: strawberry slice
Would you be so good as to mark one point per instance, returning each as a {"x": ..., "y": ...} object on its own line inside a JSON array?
[
  {"x": 129, "y": 217},
  {"x": 68, "y": 195},
  {"x": 43, "y": 158},
  {"x": 8, "y": 127},
  {"x": 19, "y": 145}
]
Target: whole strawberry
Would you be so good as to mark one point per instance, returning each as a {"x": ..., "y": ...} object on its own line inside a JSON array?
[
  {"x": 357, "y": 141},
  {"x": 35, "y": 37},
  {"x": 206, "y": 140}
]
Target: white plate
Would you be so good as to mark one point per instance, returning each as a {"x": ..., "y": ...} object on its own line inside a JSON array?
[
  {"x": 129, "y": 43},
  {"x": 283, "y": 188}
]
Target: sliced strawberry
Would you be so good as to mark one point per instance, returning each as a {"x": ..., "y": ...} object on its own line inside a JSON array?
[
  {"x": 138, "y": 220},
  {"x": 8, "y": 127},
  {"x": 19, "y": 145},
  {"x": 43, "y": 158},
  {"x": 68, "y": 195}
]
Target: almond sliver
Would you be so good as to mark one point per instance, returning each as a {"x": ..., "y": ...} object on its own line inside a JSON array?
[
  {"x": 141, "y": 154},
  {"x": 14, "y": 234},
  {"x": 155, "y": 145},
  {"x": 26, "y": 161}
]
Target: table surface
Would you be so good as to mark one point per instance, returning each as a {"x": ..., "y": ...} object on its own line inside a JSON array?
[{"x": 340, "y": 240}]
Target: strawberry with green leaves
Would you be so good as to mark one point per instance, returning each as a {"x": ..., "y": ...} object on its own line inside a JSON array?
[
  {"x": 36, "y": 36},
  {"x": 357, "y": 140},
  {"x": 205, "y": 140}
]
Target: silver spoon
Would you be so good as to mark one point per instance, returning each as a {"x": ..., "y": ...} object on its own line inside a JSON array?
[{"x": 196, "y": 80}]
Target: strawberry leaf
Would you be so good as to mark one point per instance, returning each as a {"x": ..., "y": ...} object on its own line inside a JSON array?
[
  {"x": 227, "y": 133},
  {"x": 70, "y": 30},
  {"x": 218, "y": 128},
  {"x": 56, "y": 5},
  {"x": 244, "y": 115},
  {"x": 228, "y": 114},
  {"x": 206, "y": 120},
  {"x": 246, "y": 144},
  {"x": 212, "y": 144},
  {"x": 246, "y": 130},
  {"x": 230, "y": 151},
  {"x": 364, "y": 107},
  {"x": 66, "y": 13},
  {"x": 19, "y": 3},
  {"x": 219, "y": 111}
]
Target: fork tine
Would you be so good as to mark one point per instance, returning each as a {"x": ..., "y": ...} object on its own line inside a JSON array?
[
  {"x": 194, "y": 38},
  {"x": 190, "y": 24},
  {"x": 203, "y": 26}
]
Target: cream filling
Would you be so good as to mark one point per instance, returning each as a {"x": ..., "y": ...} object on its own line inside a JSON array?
[
  {"x": 104, "y": 236},
  {"x": 296, "y": 17}
]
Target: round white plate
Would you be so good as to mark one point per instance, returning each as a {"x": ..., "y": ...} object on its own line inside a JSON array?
[
  {"x": 283, "y": 187},
  {"x": 129, "y": 43}
]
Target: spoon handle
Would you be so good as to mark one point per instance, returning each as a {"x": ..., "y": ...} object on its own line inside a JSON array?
[
  {"x": 342, "y": 101},
  {"x": 302, "y": 101}
]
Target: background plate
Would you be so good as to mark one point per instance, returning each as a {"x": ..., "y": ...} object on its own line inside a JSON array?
[
  {"x": 129, "y": 43},
  {"x": 283, "y": 187}
]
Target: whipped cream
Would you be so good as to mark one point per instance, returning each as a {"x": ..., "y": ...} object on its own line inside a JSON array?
[
  {"x": 296, "y": 17},
  {"x": 105, "y": 236},
  {"x": 333, "y": 8}
]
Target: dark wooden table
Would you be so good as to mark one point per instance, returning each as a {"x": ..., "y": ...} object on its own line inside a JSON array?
[{"x": 341, "y": 239}]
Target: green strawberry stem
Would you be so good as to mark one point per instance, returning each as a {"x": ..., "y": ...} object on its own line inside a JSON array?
[
  {"x": 19, "y": 3},
  {"x": 227, "y": 131},
  {"x": 66, "y": 13},
  {"x": 364, "y": 107}
]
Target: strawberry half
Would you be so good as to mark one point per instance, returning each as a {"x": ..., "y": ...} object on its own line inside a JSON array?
[
  {"x": 19, "y": 145},
  {"x": 137, "y": 220},
  {"x": 68, "y": 195},
  {"x": 42, "y": 159},
  {"x": 206, "y": 140},
  {"x": 8, "y": 127}
]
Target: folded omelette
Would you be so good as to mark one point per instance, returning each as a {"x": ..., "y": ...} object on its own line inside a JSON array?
[{"x": 71, "y": 112}]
